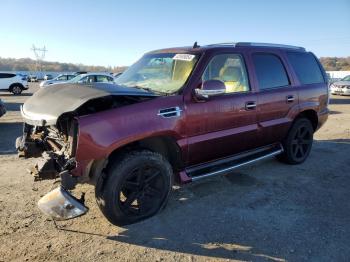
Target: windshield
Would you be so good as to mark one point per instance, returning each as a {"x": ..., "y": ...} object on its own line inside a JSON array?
[
  {"x": 347, "y": 78},
  {"x": 162, "y": 73}
]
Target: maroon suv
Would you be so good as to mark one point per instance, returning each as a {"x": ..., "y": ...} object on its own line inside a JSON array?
[{"x": 178, "y": 114}]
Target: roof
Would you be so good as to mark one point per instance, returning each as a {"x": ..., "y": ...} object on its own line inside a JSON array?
[
  {"x": 200, "y": 49},
  {"x": 95, "y": 73}
]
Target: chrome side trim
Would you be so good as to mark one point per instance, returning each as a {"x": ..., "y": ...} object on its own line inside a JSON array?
[
  {"x": 222, "y": 171},
  {"x": 170, "y": 112}
]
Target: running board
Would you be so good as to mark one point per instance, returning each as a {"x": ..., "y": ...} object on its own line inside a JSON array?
[{"x": 226, "y": 165}]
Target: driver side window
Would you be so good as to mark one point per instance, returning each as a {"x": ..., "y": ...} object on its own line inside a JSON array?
[{"x": 230, "y": 69}]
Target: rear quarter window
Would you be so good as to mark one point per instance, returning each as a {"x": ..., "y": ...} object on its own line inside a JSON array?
[
  {"x": 270, "y": 71},
  {"x": 306, "y": 67}
]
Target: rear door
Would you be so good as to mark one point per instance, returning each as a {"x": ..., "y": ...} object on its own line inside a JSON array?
[
  {"x": 277, "y": 96},
  {"x": 225, "y": 124}
]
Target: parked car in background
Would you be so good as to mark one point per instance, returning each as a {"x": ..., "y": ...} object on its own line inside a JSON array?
[
  {"x": 341, "y": 87},
  {"x": 58, "y": 79},
  {"x": 180, "y": 114},
  {"x": 13, "y": 83},
  {"x": 48, "y": 77},
  {"x": 24, "y": 76},
  {"x": 2, "y": 108},
  {"x": 33, "y": 78},
  {"x": 89, "y": 78}
]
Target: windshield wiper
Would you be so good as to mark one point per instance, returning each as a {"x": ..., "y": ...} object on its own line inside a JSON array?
[{"x": 151, "y": 90}]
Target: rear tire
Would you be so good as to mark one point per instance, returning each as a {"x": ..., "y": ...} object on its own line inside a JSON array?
[
  {"x": 136, "y": 186},
  {"x": 298, "y": 143},
  {"x": 16, "y": 89}
]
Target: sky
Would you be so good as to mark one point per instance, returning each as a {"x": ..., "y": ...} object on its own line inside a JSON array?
[{"x": 117, "y": 33}]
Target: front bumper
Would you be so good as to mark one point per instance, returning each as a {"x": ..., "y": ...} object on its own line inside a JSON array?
[{"x": 340, "y": 91}]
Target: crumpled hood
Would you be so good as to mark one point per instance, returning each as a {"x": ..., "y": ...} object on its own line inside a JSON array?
[
  {"x": 47, "y": 104},
  {"x": 342, "y": 83}
]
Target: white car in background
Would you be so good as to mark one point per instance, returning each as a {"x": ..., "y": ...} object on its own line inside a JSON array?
[
  {"x": 58, "y": 79},
  {"x": 89, "y": 78},
  {"x": 13, "y": 83},
  {"x": 341, "y": 87}
]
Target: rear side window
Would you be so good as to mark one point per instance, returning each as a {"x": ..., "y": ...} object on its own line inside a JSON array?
[
  {"x": 306, "y": 67},
  {"x": 270, "y": 71},
  {"x": 5, "y": 75}
]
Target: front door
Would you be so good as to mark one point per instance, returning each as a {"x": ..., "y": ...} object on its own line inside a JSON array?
[{"x": 224, "y": 124}]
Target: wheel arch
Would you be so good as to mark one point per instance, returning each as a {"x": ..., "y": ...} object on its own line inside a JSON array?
[
  {"x": 16, "y": 84},
  {"x": 311, "y": 115},
  {"x": 165, "y": 145}
]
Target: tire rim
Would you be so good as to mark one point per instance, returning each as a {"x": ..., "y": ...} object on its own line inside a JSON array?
[
  {"x": 301, "y": 143},
  {"x": 16, "y": 90},
  {"x": 142, "y": 191}
]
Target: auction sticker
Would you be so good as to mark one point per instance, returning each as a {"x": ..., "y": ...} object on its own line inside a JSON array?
[{"x": 184, "y": 57}]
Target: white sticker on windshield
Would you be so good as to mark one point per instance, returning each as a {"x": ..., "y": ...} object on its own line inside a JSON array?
[{"x": 184, "y": 57}]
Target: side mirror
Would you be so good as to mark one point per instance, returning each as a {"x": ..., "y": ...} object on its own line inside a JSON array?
[{"x": 210, "y": 88}]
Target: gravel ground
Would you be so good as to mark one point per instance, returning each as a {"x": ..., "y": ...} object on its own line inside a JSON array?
[{"x": 265, "y": 212}]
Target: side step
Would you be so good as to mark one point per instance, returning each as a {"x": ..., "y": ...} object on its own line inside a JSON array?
[{"x": 226, "y": 165}]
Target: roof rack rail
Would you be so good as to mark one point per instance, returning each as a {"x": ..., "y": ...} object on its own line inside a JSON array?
[
  {"x": 227, "y": 43},
  {"x": 269, "y": 45},
  {"x": 256, "y": 44}
]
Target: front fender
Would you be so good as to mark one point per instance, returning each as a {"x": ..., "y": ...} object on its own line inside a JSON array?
[{"x": 102, "y": 133}]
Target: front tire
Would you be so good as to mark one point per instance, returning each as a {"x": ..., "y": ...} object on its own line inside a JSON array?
[
  {"x": 298, "y": 143},
  {"x": 135, "y": 187}
]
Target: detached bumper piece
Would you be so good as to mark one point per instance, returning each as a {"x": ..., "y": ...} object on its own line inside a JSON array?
[{"x": 61, "y": 205}]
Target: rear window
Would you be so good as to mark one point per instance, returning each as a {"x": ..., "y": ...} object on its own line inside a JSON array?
[
  {"x": 306, "y": 67},
  {"x": 270, "y": 71},
  {"x": 6, "y": 75}
]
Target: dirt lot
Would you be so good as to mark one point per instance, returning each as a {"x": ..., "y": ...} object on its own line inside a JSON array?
[{"x": 265, "y": 212}]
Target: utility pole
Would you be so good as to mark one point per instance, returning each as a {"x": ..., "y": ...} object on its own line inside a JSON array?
[{"x": 39, "y": 54}]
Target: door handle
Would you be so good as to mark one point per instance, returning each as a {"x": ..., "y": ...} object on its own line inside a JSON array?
[
  {"x": 290, "y": 99},
  {"x": 251, "y": 105}
]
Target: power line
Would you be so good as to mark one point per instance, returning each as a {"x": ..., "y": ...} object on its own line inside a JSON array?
[{"x": 39, "y": 54}]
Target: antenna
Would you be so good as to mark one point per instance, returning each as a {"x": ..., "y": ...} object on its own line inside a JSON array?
[{"x": 39, "y": 54}]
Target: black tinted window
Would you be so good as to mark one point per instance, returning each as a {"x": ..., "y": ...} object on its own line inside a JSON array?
[
  {"x": 270, "y": 71},
  {"x": 5, "y": 75},
  {"x": 306, "y": 67}
]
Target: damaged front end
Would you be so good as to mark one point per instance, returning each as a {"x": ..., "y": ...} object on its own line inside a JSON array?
[
  {"x": 51, "y": 131},
  {"x": 55, "y": 145},
  {"x": 55, "y": 148}
]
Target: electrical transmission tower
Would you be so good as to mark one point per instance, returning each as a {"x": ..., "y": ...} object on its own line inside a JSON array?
[{"x": 39, "y": 54}]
